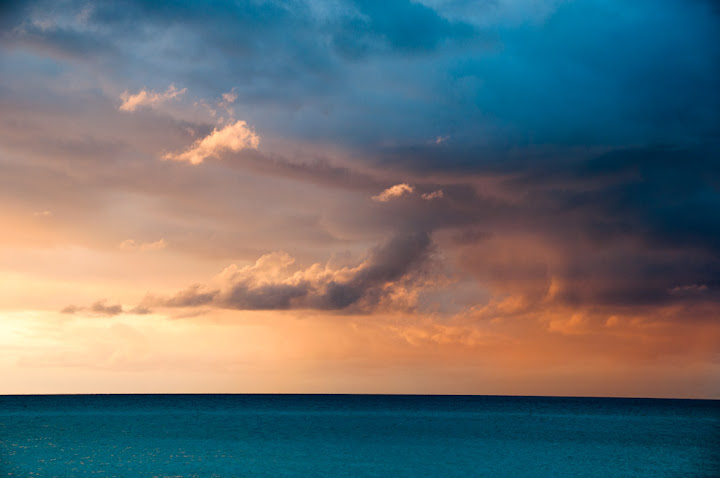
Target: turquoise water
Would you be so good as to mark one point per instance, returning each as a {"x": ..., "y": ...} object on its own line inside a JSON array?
[{"x": 356, "y": 436}]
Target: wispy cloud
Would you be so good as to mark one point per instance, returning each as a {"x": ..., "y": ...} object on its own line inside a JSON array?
[
  {"x": 404, "y": 189},
  {"x": 233, "y": 137},
  {"x": 132, "y": 245},
  {"x": 229, "y": 97},
  {"x": 98, "y": 308},
  {"x": 102, "y": 309},
  {"x": 438, "y": 194},
  {"x": 148, "y": 98},
  {"x": 227, "y": 100}
]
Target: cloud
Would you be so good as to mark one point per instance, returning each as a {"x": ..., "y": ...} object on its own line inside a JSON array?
[
  {"x": 71, "y": 309},
  {"x": 229, "y": 97},
  {"x": 401, "y": 26},
  {"x": 132, "y": 245},
  {"x": 231, "y": 138},
  {"x": 315, "y": 170},
  {"x": 689, "y": 289},
  {"x": 606, "y": 225},
  {"x": 509, "y": 70},
  {"x": 394, "y": 192},
  {"x": 98, "y": 308},
  {"x": 438, "y": 194},
  {"x": 148, "y": 98},
  {"x": 389, "y": 275},
  {"x": 403, "y": 189}
]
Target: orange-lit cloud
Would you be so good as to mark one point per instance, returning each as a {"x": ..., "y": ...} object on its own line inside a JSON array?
[
  {"x": 389, "y": 276},
  {"x": 131, "y": 102},
  {"x": 233, "y": 138},
  {"x": 438, "y": 194},
  {"x": 393, "y": 192},
  {"x": 404, "y": 189}
]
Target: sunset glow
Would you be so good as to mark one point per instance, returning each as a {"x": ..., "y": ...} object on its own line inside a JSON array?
[{"x": 510, "y": 197}]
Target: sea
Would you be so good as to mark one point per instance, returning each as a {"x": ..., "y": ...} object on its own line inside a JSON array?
[{"x": 356, "y": 436}]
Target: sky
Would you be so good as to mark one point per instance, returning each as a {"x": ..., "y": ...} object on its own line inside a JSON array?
[{"x": 507, "y": 197}]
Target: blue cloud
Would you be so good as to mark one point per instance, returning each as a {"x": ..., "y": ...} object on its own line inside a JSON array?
[
  {"x": 603, "y": 115},
  {"x": 373, "y": 75}
]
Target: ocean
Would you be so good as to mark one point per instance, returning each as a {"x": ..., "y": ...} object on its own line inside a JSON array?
[{"x": 356, "y": 436}]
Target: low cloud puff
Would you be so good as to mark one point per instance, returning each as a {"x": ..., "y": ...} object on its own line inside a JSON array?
[
  {"x": 439, "y": 194},
  {"x": 394, "y": 192},
  {"x": 233, "y": 138},
  {"x": 400, "y": 190}
]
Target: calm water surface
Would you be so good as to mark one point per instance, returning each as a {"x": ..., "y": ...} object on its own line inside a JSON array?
[{"x": 356, "y": 436}]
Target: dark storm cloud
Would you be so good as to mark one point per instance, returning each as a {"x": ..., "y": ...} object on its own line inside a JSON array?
[
  {"x": 401, "y": 262},
  {"x": 10, "y": 14},
  {"x": 387, "y": 264},
  {"x": 637, "y": 226},
  {"x": 593, "y": 76},
  {"x": 277, "y": 52},
  {"x": 665, "y": 204},
  {"x": 390, "y": 77},
  {"x": 598, "y": 124},
  {"x": 669, "y": 196},
  {"x": 631, "y": 227},
  {"x": 361, "y": 27},
  {"x": 401, "y": 26}
]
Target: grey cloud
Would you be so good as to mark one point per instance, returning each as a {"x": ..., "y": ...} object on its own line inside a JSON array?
[
  {"x": 398, "y": 263},
  {"x": 626, "y": 228},
  {"x": 71, "y": 309},
  {"x": 402, "y": 26},
  {"x": 190, "y": 297},
  {"x": 61, "y": 42},
  {"x": 633, "y": 227},
  {"x": 567, "y": 113},
  {"x": 550, "y": 81},
  {"x": 265, "y": 297},
  {"x": 315, "y": 170},
  {"x": 100, "y": 308},
  {"x": 387, "y": 264}
]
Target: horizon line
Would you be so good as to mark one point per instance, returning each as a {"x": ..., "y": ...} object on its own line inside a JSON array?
[{"x": 354, "y": 394}]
